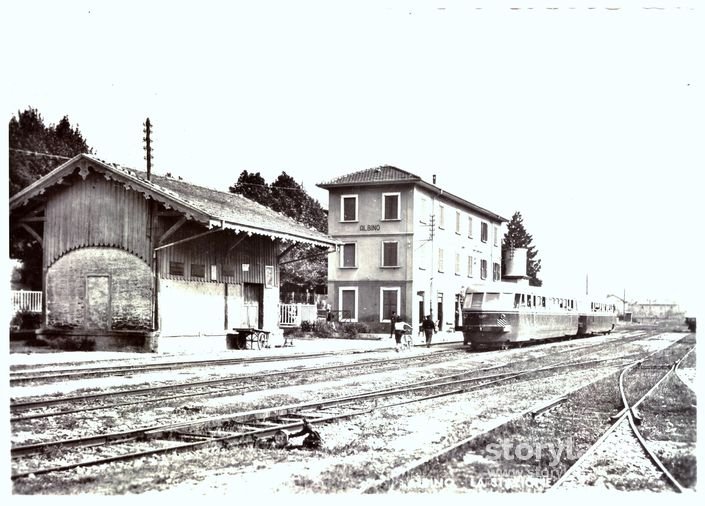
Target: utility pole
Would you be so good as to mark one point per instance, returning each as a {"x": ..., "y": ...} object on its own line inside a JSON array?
[
  {"x": 433, "y": 230},
  {"x": 148, "y": 147}
]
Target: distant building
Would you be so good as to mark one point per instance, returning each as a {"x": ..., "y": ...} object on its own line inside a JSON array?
[
  {"x": 127, "y": 258},
  {"x": 408, "y": 247},
  {"x": 641, "y": 310}
]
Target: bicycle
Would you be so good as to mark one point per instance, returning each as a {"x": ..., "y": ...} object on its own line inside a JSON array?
[{"x": 406, "y": 339}]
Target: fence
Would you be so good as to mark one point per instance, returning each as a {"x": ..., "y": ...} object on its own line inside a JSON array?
[
  {"x": 291, "y": 315},
  {"x": 25, "y": 300}
]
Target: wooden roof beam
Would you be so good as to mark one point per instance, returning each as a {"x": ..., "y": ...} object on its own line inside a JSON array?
[{"x": 176, "y": 226}]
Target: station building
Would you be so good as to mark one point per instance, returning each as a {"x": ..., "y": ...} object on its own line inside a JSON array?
[
  {"x": 129, "y": 257},
  {"x": 407, "y": 246}
]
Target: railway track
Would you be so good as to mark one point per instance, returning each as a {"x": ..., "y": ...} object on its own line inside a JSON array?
[
  {"x": 239, "y": 384},
  {"x": 454, "y": 456},
  {"x": 32, "y": 374},
  {"x": 624, "y": 428},
  {"x": 29, "y": 409},
  {"x": 245, "y": 427}
]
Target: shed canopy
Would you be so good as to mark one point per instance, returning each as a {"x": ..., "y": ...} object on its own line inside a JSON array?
[{"x": 211, "y": 207}]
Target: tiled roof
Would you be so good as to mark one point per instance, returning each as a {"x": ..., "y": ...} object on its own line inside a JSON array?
[
  {"x": 389, "y": 174},
  {"x": 383, "y": 174},
  {"x": 224, "y": 208}
]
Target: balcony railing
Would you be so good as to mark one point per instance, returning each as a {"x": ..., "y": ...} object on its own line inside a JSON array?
[{"x": 25, "y": 300}]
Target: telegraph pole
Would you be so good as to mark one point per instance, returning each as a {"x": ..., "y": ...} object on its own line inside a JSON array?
[
  {"x": 148, "y": 147},
  {"x": 430, "y": 294}
]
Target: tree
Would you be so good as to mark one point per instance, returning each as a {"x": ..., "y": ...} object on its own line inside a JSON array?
[
  {"x": 31, "y": 142},
  {"x": 253, "y": 187},
  {"x": 518, "y": 237},
  {"x": 36, "y": 150},
  {"x": 289, "y": 198}
]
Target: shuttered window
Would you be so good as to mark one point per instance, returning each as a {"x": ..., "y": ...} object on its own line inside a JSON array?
[
  {"x": 348, "y": 304},
  {"x": 390, "y": 205},
  {"x": 198, "y": 271},
  {"x": 348, "y": 255},
  {"x": 176, "y": 268},
  {"x": 348, "y": 203},
  {"x": 390, "y": 254}
]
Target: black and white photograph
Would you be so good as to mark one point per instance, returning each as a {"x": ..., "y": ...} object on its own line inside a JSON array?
[{"x": 358, "y": 249}]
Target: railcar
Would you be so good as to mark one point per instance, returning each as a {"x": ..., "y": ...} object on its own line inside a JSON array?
[
  {"x": 596, "y": 317},
  {"x": 501, "y": 314}
]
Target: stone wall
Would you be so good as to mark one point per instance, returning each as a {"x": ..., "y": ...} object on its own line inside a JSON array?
[{"x": 124, "y": 303}]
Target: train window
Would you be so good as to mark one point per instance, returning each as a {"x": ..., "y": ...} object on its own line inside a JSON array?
[
  {"x": 476, "y": 301},
  {"x": 492, "y": 300},
  {"x": 528, "y": 301},
  {"x": 517, "y": 300}
]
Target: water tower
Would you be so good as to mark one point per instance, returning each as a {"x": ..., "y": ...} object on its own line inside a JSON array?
[{"x": 515, "y": 264}]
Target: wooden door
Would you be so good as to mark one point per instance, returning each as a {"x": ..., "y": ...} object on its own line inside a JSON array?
[
  {"x": 254, "y": 307},
  {"x": 98, "y": 302}
]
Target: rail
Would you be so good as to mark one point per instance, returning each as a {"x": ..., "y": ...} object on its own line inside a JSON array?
[{"x": 26, "y": 300}]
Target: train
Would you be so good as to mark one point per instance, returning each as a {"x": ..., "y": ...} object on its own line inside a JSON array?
[{"x": 502, "y": 314}]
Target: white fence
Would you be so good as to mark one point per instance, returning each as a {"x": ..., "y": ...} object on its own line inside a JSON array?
[
  {"x": 291, "y": 315},
  {"x": 25, "y": 300}
]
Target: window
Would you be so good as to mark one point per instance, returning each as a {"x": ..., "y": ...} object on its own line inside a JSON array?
[
  {"x": 440, "y": 259},
  {"x": 423, "y": 256},
  {"x": 483, "y": 232},
  {"x": 198, "y": 271},
  {"x": 214, "y": 272},
  {"x": 470, "y": 226},
  {"x": 470, "y": 261},
  {"x": 496, "y": 272},
  {"x": 423, "y": 210},
  {"x": 176, "y": 268},
  {"x": 457, "y": 264},
  {"x": 457, "y": 222},
  {"x": 441, "y": 216},
  {"x": 347, "y": 297},
  {"x": 228, "y": 271},
  {"x": 389, "y": 303},
  {"x": 348, "y": 208},
  {"x": 496, "y": 236},
  {"x": 483, "y": 269},
  {"x": 390, "y": 254},
  {"x": 391, "y": 206},
  {"x": 348, "y": 257}
]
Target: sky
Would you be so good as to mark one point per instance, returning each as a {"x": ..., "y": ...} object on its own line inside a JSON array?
[{"x": 587, "y": 118}]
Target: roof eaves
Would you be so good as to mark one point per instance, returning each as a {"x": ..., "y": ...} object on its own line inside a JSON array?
[{"x": 464, "y": 202}]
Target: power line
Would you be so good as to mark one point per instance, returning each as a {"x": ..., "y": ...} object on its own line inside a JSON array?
[
  {"x": 49, "y": 155},
  {"x": 36, "y": 153}
]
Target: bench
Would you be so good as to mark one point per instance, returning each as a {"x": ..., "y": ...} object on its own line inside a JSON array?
[{"x": 240, "y": 338}]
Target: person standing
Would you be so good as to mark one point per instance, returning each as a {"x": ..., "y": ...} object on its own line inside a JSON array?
[
  {"x": 393, "y": 319},
  {"x": 400, "y": 327},
  {"x": 429, "y": 328}
]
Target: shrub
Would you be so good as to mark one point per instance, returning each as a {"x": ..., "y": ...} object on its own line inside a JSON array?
[
  {"x": 351, "y": 330},
  {"x": 26, "y": 320},
  {"x": 324, "y": 329},
  {"x": 308, "y": 326}
]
